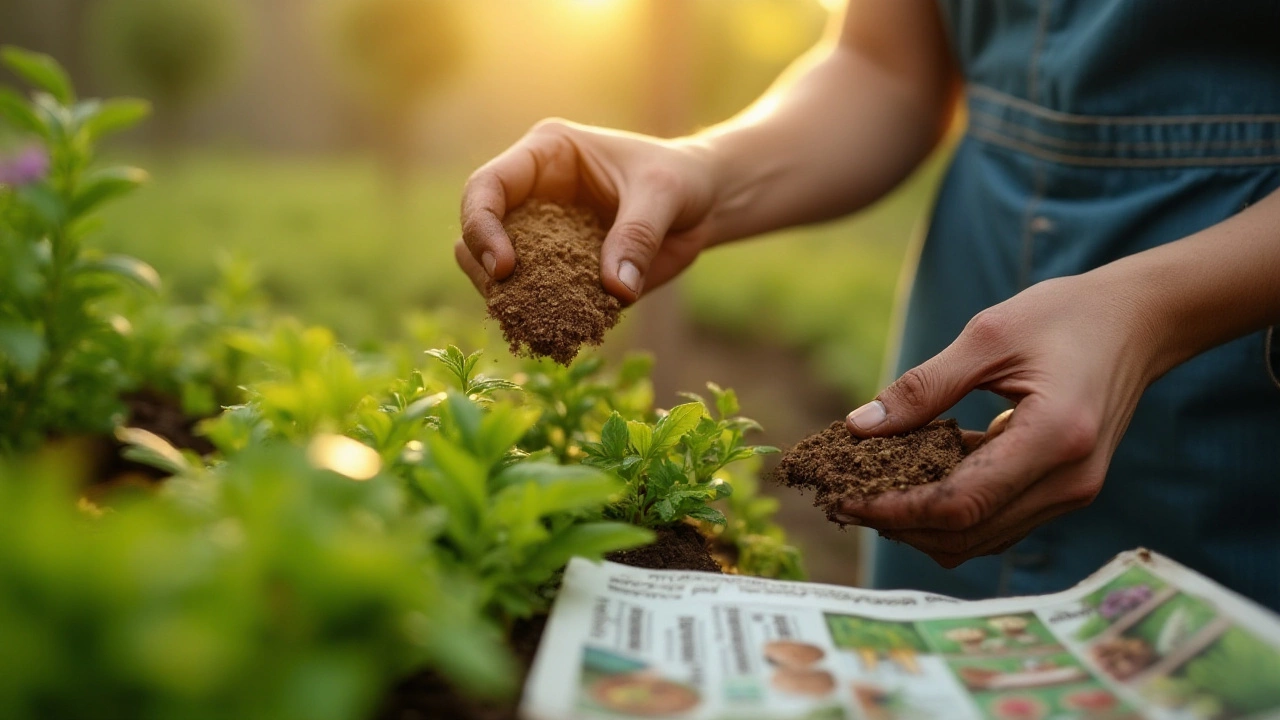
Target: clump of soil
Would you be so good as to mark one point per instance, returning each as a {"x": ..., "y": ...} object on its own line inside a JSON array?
[
  {"x": 678, "y": 547},
  {"x": 553, "y": 303},
  {"x": 839, "y": 466},
  {"x": 429, "y": 696}
]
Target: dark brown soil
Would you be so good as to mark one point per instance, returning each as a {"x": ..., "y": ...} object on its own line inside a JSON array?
[
  {"x": 427, "y": 696},
  {"x": 553, "y": 303},
  {"x": 148, "y": 410},
  {"x": 678, "y": 547},
  {"x": 838, "y": 466}
]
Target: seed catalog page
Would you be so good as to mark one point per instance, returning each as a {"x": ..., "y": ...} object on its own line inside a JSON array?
[{"x": 1142, "y": 638}]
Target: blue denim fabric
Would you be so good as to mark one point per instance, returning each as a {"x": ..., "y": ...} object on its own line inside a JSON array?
[{"x": 1097, "y": 129}]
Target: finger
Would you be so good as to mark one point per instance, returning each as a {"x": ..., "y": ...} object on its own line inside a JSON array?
[
  {"x": 543, "y": 164},
  {"x": 645, "y": 214},
  {"x": 677, "y": 253},
  {"x": 474, "y": 272},
  {"x": 972, "y": 440},
  {"x": 998, "y": 425},
  {"x": 1060, "y": 493},
  {"x": 923, "y": 392},
  {"x": 1036, "y": 442}
]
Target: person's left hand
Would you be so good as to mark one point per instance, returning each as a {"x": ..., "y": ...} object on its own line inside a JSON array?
[{"x": 1074, "y": 354}]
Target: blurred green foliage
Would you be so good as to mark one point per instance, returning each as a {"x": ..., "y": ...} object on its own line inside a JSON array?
[
  {"x": 170, "y": 51},
  {"x": 332, "y": 249}
]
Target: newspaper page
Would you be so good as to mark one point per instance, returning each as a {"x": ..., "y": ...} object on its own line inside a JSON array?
[{"x": 1144, "y": 637}]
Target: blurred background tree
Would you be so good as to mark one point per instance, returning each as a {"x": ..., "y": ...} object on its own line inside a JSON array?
[
  {"x": 395, "y": 55},
  {"x": 174, "y": 52}
]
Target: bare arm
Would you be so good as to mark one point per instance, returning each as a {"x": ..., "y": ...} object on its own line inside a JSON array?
[{"x": 840, "y": 129}]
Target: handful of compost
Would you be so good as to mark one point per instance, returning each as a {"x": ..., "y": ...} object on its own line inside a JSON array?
[
  {"x": 553, "y": 303},
  {"x": 838, "y": 466}
]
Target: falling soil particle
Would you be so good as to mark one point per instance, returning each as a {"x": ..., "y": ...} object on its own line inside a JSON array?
[
  {"x": 838, "y": 466},
  {"x": 553, "y": 303},
  {"x": 429, "y": 696}
]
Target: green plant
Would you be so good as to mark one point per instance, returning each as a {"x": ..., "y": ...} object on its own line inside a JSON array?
[
  {"x": 62, "y": 342},
  {"x": 578, "y": 399},
  {"x": 512, "y": 521},
  {"x": 760, "y": 545},
  {"x": 267, "y": 587},
  {"x": 669, "y": 466}
]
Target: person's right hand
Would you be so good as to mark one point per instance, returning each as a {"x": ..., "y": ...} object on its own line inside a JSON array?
[{"x": 658, "y": 194}]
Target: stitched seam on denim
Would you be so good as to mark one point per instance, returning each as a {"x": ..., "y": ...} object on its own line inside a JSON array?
[
  {"x": 1029, "y": 236},
  {"x": 1058, "y": 115},
  {"x": 1087, "y": 161},
  {"x": 1033, "y": 72},
  {"x": 1001, "y": 125},
  {"x": 1266, "y": 356}
]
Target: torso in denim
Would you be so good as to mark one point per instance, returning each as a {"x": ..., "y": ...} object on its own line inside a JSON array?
[{"x": 1097, "y": 129}]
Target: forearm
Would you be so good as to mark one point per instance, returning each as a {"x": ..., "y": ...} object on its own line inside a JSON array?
[
  {"x": 843, "y": 127},
  {"x": 1209, "y": 288}
]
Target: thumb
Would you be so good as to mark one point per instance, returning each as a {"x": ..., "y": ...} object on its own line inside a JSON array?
[
  {"x": 920, "y": 395},
  {"x": 644, "y": 217}
]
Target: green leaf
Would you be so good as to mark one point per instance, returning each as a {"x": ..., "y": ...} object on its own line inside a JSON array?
[
  {"x": 548, "y": 473},
  {"x": 614, "y": 437},
  {"x": 129, "y": 268},
  {"x": 726, "y": 400},
  {"x": 146, "y": 447},
  {"x": 100, "y": 186},
  {"x": 666, "y": 510},
  {"x": 465, "y": 418},
  {"x": 40, "y": 70},
  {"x": 461, "y": 469},
  {"x": 16, "y": 110},
  {"x": 21, "y": 346},
  {"x": 641, "y": 436},
  {"x": 41, "y": 199},
  {"x": 114, "y": 116},
  {"x": 501, "y": 427},
  {"x": 589, "y": 540},
  {"x": 708, "y": 514},
  {"x": 664, "y": 475},
  {"x": 453, "y": 359},
  {"x": 679, "y": 421}
]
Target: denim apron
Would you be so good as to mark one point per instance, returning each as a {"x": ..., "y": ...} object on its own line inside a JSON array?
[{"x": 1097, "y": 129}]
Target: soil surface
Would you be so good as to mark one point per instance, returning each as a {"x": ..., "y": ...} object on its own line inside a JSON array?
[
  {"x": 553, "y": 303},
  {"x": 838, "y": 466},
  {"x": 148, "y": 410},
  {"x": 678, "y": 547},
  {"x": 427, "y": 696}
]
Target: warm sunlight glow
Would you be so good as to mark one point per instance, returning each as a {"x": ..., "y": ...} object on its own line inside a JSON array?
[
  {"x": 833, "y": 5},
  {"x": 344, "y": 456}
]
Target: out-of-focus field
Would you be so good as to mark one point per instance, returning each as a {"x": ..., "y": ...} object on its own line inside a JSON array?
[{"x": 334, "y": 247}]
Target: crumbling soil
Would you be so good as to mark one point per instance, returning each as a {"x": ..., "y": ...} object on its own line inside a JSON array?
[
  {"x": 428, "y": 696},
  {"x": 678, "y": 547},
  {"x": 838, "y": 466},
  {"x": 553, "y": 303}
]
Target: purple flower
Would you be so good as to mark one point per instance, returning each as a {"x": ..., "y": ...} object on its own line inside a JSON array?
[
  {"x": 28, "y": 166},
  {"x": 1119, "y": 602}
]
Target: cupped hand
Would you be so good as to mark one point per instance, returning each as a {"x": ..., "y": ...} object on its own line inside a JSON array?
[
  {"x": 1074, "y": 355},
  {"x": 657, "y": 193}
]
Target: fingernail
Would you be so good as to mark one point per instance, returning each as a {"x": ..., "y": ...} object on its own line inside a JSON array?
[
  {"x": 490, "y": 262},
  {"x": 629, "y": 274},
  {"x": 869, "y": 416},
  {"x": 846, "y": 519}
]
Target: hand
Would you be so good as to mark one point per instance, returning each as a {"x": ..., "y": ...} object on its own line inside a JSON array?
[
  {"x": 657, "y": 193},
  {"x": 1074, "y": 354}
]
